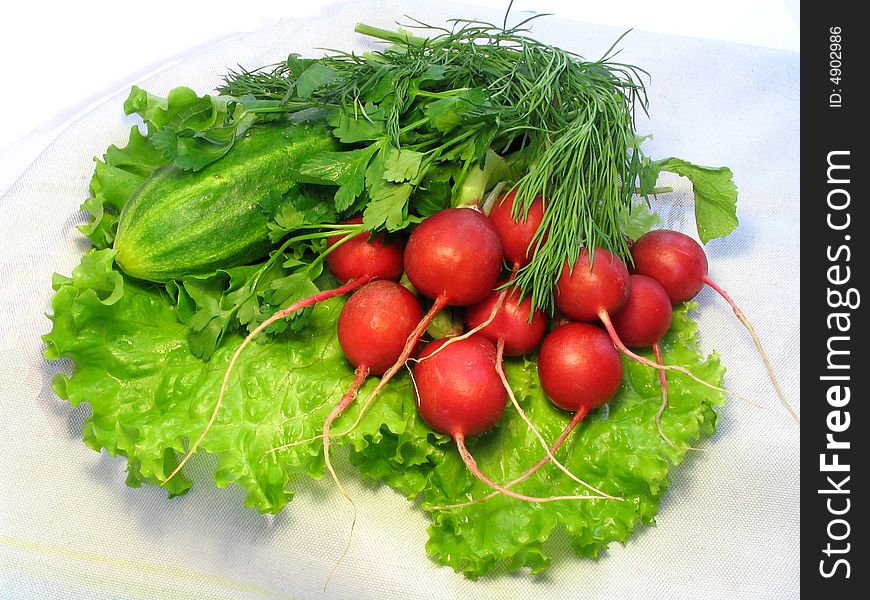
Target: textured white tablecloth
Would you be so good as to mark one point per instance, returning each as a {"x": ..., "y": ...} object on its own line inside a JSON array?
[{"x": 729, "y": 526}]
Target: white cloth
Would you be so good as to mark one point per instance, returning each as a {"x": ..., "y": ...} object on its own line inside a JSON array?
[{"x": 729, "y": 526}]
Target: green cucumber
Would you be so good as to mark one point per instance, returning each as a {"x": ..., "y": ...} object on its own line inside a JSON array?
[{"x": 181, "y": 223}]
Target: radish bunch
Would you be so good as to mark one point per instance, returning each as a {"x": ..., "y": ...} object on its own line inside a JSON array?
[
  {"x": 455, "y": 258},
  {"x": 459, "y": 383},
  {"x": 578, "y": 363}
]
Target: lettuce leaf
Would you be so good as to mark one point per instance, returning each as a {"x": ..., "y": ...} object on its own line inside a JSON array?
[
  {"x": 150, "y": 396},
  {"x": 116, "y": 177},
  {"x": 194, "y": 131}
]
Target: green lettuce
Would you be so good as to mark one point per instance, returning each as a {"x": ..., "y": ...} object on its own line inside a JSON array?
[
  {"x": 150, "y": 396},
  {"x": 116, "y": 177}
]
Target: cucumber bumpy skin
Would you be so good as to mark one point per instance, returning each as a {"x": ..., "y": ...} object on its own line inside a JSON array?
[{"x": 181, "y": 223}]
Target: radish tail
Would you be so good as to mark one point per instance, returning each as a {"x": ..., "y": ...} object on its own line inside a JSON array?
[
  {"x": 663, "y": 380},
  {"x": 359, "y": 378},
  {"x": 496, "y": 307},
  {"x": 608, "y": 324},
  {"x": 469, "y": 461},
  {"x": 575, "y": 420},
  {"x": 296, "y": 443},
  {"x": 304, "y": 303},
  {"x": 578, "y": 416},
  {"x": 492, "y": 315},
  {"x": 757, "y": 342},
  {"x": 550, "y": 450}
]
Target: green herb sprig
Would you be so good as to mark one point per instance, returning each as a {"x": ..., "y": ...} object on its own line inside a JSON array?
[{"x": 445, "y": 99}]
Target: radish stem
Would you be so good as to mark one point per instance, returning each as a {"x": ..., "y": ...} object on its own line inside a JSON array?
[
  {"x": 608, "y": 325},
  {"x": 413, "y": 339},
  {"x": 359, "y": 378},
  {"x": 578, "y": 416},
  {"x": 663, "y": 380},
  {"x": 492, "y": 315}
]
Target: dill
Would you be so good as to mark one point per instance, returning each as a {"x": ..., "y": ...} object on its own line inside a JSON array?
[{"x": 567, "y": 124}]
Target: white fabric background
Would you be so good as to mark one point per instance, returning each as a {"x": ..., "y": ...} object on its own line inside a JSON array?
[
  {"x": 60, "y": 64},
  {"x": 729, "y": 525}
]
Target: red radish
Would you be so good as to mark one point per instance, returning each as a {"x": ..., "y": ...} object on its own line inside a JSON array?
[
  {"x": 579, "y": 368},
  {"x": 585, "y": 292},
  {"x": 459, "y": 393},
  {"x": 454, "y": 257},
  {"x": 458, "y": 390},
  {"x": 517, "y": 236},
  {"x": 643, "y": 322},
  {"x": 358, "y": 261},
  {"x": 646, "y": 316},
  {"x": 673, "y": 259},
  {"x": 679, "y": 263},
  {"x": 374, "y": 324},
  {"x": 516, "y": 331},
  {"x": 590, "y": 292},
  {"x": 372, "y": 329},
  {"x": 352, "y": 257},
  {"x": 499, "y": 365},
  {"x": 514, "y": 323}
]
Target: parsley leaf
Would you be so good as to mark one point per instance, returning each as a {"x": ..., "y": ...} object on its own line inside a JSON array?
[
  {"x": 446, "y": 114},
  {"x": 388, "y": 201},
  {"x": 344, "y": 169},
  {"x": 401, "y": 165},
  {"x": 366, "y": 123}
]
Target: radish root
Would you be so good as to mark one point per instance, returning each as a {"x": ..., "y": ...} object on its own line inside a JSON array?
[
  {"x": 499, "y": 367},
  {"x": 472, "y": 466},
  {"x": 437, "y": 306},
  {"x": 608, "y": 324},
  {"x": 663, "y": 380},
  {"x": 492, "y": 315},
  {"x": 359, "y": 378},
  {"x": 757, "y": 341},
  {"x": 578, "y": 416}
]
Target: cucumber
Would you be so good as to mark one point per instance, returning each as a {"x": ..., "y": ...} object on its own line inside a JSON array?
[{"x": 181, "y": 223}]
